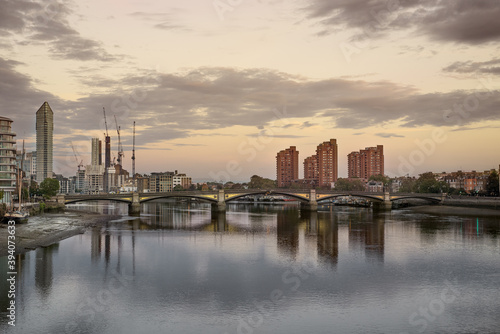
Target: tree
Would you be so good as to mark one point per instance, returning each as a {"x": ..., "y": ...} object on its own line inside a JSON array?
[
  {"x": 492, "y": 184},
  {"x": 25, "y": 194},
  {"x": 258, "y": 182},
  {"x": 380, "y": 178},
  {"x": 49, "y": 187},
  {"x": 407, "y": 185},
  {"x": 427, "y": 183},
  {"x": 34, "y": 190},
  {"x": 455, "y": 191},
  {"x": 349, "y": 185},
  {"x": 179, "y": 188}
]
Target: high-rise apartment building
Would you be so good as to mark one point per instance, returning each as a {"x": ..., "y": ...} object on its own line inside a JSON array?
[
  {"x": 287, "y": 166},
  {"x": 80, "y": 181},
  {"x": 107, "y": 163},
  {"x": 31, "y": 159},
  {"x": 95, "y": 158},
  {"x": 44, "y": 142},
  {"x": 354, "y": 165},
  {"x": 366, "y": 163},
  {"x": 7, "y": 159},
  {"x": 311, "y": 171},
  {"x": 94, "y": 173},
  {"x": 327, "y": 155}
]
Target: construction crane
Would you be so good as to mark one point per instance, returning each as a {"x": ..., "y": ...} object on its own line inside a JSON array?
[
  {"x": 133, "y": 156},
  {"x": 76, "y": 158},
  {"x": 120, "y": 147},
  {"x": 105, "y": 122}
]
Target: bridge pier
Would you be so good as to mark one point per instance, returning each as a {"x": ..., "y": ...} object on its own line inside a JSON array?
[
  {"x": 220, "y": 205},
  {"x": 61, "y": 199},
  {"x": 134, "y": 208},
  {"x": 312, "y": 205},
  {"x": 386, "y": 205}
]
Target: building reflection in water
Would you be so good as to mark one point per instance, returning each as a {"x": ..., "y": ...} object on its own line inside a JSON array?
[
  {"x": 107, "y": 248},
  {"x": 44, "y": 269},
  {"x": 95, "y": 244},
  {"x": 322, "y": 229},
  {"x": 366, "y": 231},
  {"x": 328, "y": 237},
  {"x": 287, "y": 235},
  {"x": 175, "y": 216}
]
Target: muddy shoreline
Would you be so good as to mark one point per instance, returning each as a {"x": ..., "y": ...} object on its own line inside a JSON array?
[{"x": 51, "y": 228}]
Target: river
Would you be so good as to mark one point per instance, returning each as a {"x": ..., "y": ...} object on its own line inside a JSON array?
[{"x": 262, "y": 268}]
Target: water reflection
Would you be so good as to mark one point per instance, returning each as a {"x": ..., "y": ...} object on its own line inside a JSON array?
[
  {"x": 44, "y": 269},
  {"x": 366, "y": 232},
  {"x": 287, "y": 232},
  {"x": 372, "y": 270}
]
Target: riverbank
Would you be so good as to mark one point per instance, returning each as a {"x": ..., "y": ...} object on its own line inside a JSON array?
[{"x": 47, "y": 229}]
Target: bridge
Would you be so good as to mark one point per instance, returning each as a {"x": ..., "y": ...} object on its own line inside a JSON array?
[{"x": 308, "y": 198}]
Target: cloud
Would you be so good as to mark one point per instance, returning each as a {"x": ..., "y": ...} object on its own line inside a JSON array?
[
  {"x": 19, "y": 97},
  {"x": 164, "y": 21},
  {"x": 460, "y": 21},
  {"x": 485, "y": 67},
  {"x": 190, "y": 145},
  {"x": 306, "y": 125},
  {"x": 13, "y": 14},
  {"x": 388, "y": 135},
  {"x": 475, "y": 128},
  {"x": 168, "y": 106},
  {"x": 47, "y": 23}
]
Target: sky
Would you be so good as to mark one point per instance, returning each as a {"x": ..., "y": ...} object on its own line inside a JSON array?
[{"x": 218, "y": 87}]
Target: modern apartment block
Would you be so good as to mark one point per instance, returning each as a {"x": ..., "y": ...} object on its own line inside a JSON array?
[
  {"x": 161, "y": 182},
  {"x": 7, "y": 159},
  {"x": 94, "y": 179},
  {"x": 287, "y": 166},
  {"x": 96, "y": 152},
  {"x": 181, "y": 180},
  {"x": 366, "y": 163},
  {"x": 44, "y": 142},
  {"x": 327, "y": 155},
  {"x": 31, "y": 158},
  {"x": 94, "y": 173}
]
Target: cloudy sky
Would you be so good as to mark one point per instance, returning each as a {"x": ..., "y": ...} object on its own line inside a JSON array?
[{"x": 218, "y": 87}]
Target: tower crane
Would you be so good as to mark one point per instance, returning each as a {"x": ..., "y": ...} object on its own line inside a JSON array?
[
  {"x": 76, "y": 158},
  {"x": 105, "y": 122},
  {"x": 120, "y": 147},
  {"x": 133, "y": 156}
]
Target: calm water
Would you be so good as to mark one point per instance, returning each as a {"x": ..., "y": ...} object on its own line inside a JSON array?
[{"x": 264, "y": 269}]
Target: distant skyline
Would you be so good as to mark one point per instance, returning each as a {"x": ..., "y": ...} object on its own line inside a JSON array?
[{"x": 221, "y": 86}]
